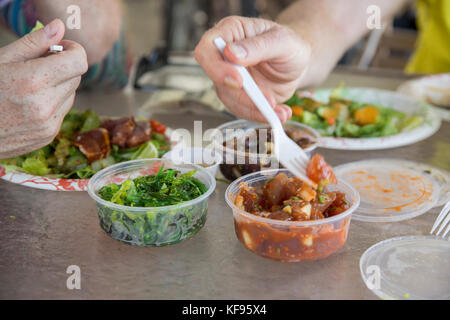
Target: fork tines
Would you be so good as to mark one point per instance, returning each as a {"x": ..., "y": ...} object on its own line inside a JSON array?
[
  {"x": 443, "y": 220},
  {"x": 298, "y": 168}
]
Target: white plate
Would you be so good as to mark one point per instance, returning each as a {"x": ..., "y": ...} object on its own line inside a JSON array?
[
  {"x": 39, "y": 182},
  {"x": 433, "y": 89},
  {"x": 385, "y": 98}
]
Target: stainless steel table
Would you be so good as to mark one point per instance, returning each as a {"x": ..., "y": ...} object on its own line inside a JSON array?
[{"x": 42, "y": 233}]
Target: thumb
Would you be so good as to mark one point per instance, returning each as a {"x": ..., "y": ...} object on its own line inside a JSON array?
[
  {"x": 35, "y": 44},
  {"x": 263, "y": 47}
]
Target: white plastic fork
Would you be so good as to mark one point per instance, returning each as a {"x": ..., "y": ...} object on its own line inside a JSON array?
[
  {"x": 289, "y": 154},
  {"x": 443, "y": 220}
]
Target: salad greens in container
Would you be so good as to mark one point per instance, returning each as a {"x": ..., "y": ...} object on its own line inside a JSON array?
[{"x": 152, "y": 202}]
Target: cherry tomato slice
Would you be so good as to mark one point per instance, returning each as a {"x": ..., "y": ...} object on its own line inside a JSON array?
[{"x": 158, "y": 127}]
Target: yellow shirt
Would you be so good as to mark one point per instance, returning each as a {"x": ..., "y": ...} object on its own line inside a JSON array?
[{"x": 432, "y": 53}]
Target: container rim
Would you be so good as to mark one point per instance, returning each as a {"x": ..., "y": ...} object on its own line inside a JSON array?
[
  {"x": 228, "y": 193},
  {"x": 219, "y": 147},
  {"x": 136, "y": 164},
  {"x": 363, "y": 261},
  {"x": 217, "y": 157}
]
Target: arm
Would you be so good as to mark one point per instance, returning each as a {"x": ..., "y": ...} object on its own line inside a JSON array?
[
  {"x": 101, "y": 23},
  {"x": 102, "y": 35},
  {"x": 37, "y": 89},
  {"x": 332, "y": 27},
  {"x": 298, "y": 51}
]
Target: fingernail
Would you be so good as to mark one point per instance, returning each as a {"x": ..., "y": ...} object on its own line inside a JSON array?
[
  {"x": 238, "y": 51},
  {"x": 50, "y": 29},
  {"x": 230, "y": 82}
]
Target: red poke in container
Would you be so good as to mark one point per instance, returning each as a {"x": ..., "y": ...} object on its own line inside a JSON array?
[{"x": 278, "y": 216}]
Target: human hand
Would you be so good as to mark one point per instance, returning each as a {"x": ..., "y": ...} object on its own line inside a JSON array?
[
  {"x": 37, "y": 90},
  {"x": 275, "y": 56}
]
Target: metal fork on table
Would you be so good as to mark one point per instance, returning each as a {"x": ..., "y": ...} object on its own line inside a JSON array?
[
  {"x": 289, "y": 154},
  {"x": 443, "y": 220}
]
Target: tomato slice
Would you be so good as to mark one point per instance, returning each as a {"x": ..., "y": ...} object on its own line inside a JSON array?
[
  {"x": 320, "y": 172},
  {"x": 158, "y": 127}
]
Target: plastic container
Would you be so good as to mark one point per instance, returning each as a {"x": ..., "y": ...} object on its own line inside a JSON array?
[
  {"x": 204, "y": 157},
  {"x": 153, "y": 226},
  {"x": 237, "y": 163},
  {"x": 290, "y": 241},
  {"x": 408, "y": 267}
]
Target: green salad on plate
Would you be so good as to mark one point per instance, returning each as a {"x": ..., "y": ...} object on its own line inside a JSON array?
[
  {"x": 350, "y": 119},
  {"x": 86, "y": 144}
]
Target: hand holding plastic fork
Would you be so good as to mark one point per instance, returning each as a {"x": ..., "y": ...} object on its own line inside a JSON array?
[{"x": 289, "y": 154}]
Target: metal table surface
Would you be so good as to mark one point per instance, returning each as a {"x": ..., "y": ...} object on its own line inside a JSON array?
[{"x": 51, "y": 230}]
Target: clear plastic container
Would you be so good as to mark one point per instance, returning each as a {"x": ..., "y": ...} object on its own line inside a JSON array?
[
  {"x": 153, "y": 226},
  {"x": 237, "y": 163},
  {"x": 408, "y": 267},
  {"x": 204, "y": 157},
  {"x": 290, "y": 241}
]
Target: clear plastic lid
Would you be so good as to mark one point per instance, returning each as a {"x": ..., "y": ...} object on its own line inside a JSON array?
[
  {"x": 390, "y": 190},
  {"x": 410, "y": 267},
  {"x": 441, "y": 176}
]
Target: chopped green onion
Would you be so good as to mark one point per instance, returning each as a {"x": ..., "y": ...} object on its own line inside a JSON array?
[{"x": 321, "y": 198}]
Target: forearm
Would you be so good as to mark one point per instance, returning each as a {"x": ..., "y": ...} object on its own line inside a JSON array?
[
  {"x": 101, "y": 23},
  {"x": 111, "y": 72},
  {"x": 332, "y": 27}
]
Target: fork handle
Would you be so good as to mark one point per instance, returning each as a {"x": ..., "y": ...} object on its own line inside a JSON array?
[{"x": 253, "y": 91}]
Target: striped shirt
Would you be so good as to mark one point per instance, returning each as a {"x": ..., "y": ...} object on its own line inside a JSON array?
[{"x": 4, "y": 2}]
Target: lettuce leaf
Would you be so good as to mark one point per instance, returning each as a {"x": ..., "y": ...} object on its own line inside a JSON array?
[
  {"x": 36, "y": 164},
  {"x": 91, "y": 121},
  {"x": 38, "y": 26}
]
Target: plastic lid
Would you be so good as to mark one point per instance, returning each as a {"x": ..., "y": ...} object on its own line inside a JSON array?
[
  {"x": 411, "y": 267},
  {"x": 442, "y": 178},
  {"x": 390, "y": 190}
]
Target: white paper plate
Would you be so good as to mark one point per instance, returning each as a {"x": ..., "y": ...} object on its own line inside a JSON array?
[
  {"x": 390, "y": 99},
  {"x": 39, "y": 182},
  {"x": 433, "y": 89}
]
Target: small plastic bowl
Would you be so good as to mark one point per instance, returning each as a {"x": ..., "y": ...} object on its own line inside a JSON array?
[
  {"x": 290, "y": 241},
  {"x": 204, "y": 157},
  {"x": 232, "y": 168},
  {"x": 153, "y": 226}
]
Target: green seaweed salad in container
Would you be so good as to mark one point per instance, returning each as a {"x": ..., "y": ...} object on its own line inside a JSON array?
[{"x": 152, "y": 202}]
